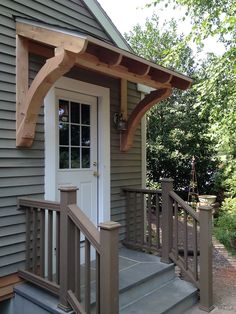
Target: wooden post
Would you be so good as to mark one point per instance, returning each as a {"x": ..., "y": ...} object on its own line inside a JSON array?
[
  {"x": 167, "y": 219},
  {"x": 206, "y": 287},
  {"x": 67, "y": 197},
  {"x": 109, "y": 268}
]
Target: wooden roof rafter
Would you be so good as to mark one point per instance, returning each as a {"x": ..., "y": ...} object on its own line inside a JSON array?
[{"x": 90, "y": 53}]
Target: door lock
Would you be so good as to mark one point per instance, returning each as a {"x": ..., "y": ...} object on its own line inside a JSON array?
[{"x": 95, "y": 164}]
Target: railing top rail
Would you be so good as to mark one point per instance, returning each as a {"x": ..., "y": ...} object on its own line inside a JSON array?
[
  {"x": 85, "y": 225},
  {"x": 37, "y": 203},
  {"x": 140, "y": 190},
  {"x": 184, "y": 205}
]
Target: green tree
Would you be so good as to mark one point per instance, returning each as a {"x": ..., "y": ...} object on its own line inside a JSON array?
[
  {"x": 216, "y": 96},
  {"x": 175, "y": 132}
]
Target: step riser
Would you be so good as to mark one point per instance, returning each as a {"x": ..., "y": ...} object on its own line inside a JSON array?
[
  {"x": 132, "y": 294},
  {"x": 175, "y": 297},
  {"x": 184, "y": 305}
]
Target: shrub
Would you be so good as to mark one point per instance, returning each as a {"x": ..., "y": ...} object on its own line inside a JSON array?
[{"x": 225, "y": 227}]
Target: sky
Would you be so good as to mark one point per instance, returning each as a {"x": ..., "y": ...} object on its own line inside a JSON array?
[{"x": 125, "y": 14}]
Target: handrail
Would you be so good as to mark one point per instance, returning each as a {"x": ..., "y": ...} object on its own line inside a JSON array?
[
  {"x": 60, "y": 273},
  {"x": 184, "y": 205},
  {"x": 138, "y": 190},
  {"x": 34, "y": 202},
  {"x": 85, "y": 225}
]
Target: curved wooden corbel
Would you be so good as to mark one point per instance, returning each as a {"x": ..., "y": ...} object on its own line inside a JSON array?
[
  {"x": 52, "y": 70},
  {"x": 139, "y": 111}
]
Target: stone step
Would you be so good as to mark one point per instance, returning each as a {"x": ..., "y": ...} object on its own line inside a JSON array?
[
  {"x": 174, "y": 297},
  {"x": 141, "y": 273},
  {"x": 30, "y": 299}
]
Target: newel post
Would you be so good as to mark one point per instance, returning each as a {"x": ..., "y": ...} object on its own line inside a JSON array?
[
  {"x": 109, "y": 267},
  {"x": 206, "y": 285},
  {"x": 167, "y": 219},
  {"x": 67, "y": 197}
]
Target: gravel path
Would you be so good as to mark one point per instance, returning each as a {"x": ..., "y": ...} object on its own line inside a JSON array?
[{"x": 224, "y": 280}]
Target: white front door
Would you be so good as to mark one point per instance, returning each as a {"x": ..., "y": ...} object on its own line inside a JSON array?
[
  {"x": 77, "y": 144},
  {"x": 77, "y": 148}
]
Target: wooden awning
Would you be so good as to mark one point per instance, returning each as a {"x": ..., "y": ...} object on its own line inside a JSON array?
[{"x": 65, "y": 49}]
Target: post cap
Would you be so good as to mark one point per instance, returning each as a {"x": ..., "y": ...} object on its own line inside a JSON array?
[
  {"x": 109, "y": 225},
  {"x": 167, "y": 180},
  {"x": 67, "y": 188}
]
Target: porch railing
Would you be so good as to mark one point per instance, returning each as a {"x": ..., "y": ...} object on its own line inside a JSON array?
[
  {"x": 160, "y": 221},
  {"x": 143, "y": 216},
  {"x": 85, "y": 279}
]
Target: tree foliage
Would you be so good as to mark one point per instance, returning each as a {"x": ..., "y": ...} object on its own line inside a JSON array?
[
  {"x": 175, "y": 131},
  {"x": 215, "y": 95}
]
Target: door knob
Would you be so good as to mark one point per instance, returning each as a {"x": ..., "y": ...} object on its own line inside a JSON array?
[{"x": 96, "y": 174}]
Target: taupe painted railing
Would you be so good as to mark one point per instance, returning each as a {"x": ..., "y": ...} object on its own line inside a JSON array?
[
  {"x": 64, "y": 272},
  {"x": 161, "y": 221},
  {"x": 143, "y": 227}
]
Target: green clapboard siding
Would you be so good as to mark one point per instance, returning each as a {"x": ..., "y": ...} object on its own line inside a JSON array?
[{"x": 22, "y": 170}]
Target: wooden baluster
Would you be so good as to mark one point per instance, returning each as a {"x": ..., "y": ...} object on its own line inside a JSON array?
[
  {"x": 185, "y": 240},
  {"x": 28, "y": 243},
  {"x": 77, "y": 264},
  {"x": 195, "y": 250},
  {"x": 143, "y": 220},
  {"x": 50, "y": 244},
  {"x": 128, "y": 216},
  {"x": 34, "y": 240},
  {"x": 176, "y": 237},
  {"x": 149, "y": 221},
  {"x": 71, "y": 256},
  {"x": 98, "y": 283},
  {"x": 135, "y": 217},
  {"x": 57, "y": 247},
  {"x": 42, "y": 243},
  {"x": 158, "y": 221},
  {"x": 87, "y": 277}
]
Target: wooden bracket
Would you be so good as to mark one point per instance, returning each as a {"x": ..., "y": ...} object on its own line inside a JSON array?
[
  {"x": 30, "y": 100},
  {"x": 139, "y": 111}
]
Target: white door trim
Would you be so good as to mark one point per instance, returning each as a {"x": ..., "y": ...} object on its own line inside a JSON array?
[{"x": 103, "y": 96}]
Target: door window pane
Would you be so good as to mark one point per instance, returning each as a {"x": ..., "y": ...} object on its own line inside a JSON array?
[
  {"x": 64, "y": 157},
  {"x": 75, "y": 135},
  {"x": 63, "y": 134},
  {"x": 85, "y": 136},
  {"x": 75, "y": 157},
  {"x": 63, "y": 110},
  {"x": 75, "y": 112},
  {"x": 85, "y": 112},
  {"x": 85, "y": 158}
]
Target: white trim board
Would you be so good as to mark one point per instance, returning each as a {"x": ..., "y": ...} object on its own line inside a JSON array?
[
  {"x": 102, "y": 17},
  {"x": 103, "y": 96}
]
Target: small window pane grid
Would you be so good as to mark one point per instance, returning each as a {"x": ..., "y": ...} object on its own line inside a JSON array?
[{"x": 74, "y": 135}]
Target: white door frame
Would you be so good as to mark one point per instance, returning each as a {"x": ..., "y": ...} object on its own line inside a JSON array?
[{"x": 50, "y": 119}]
